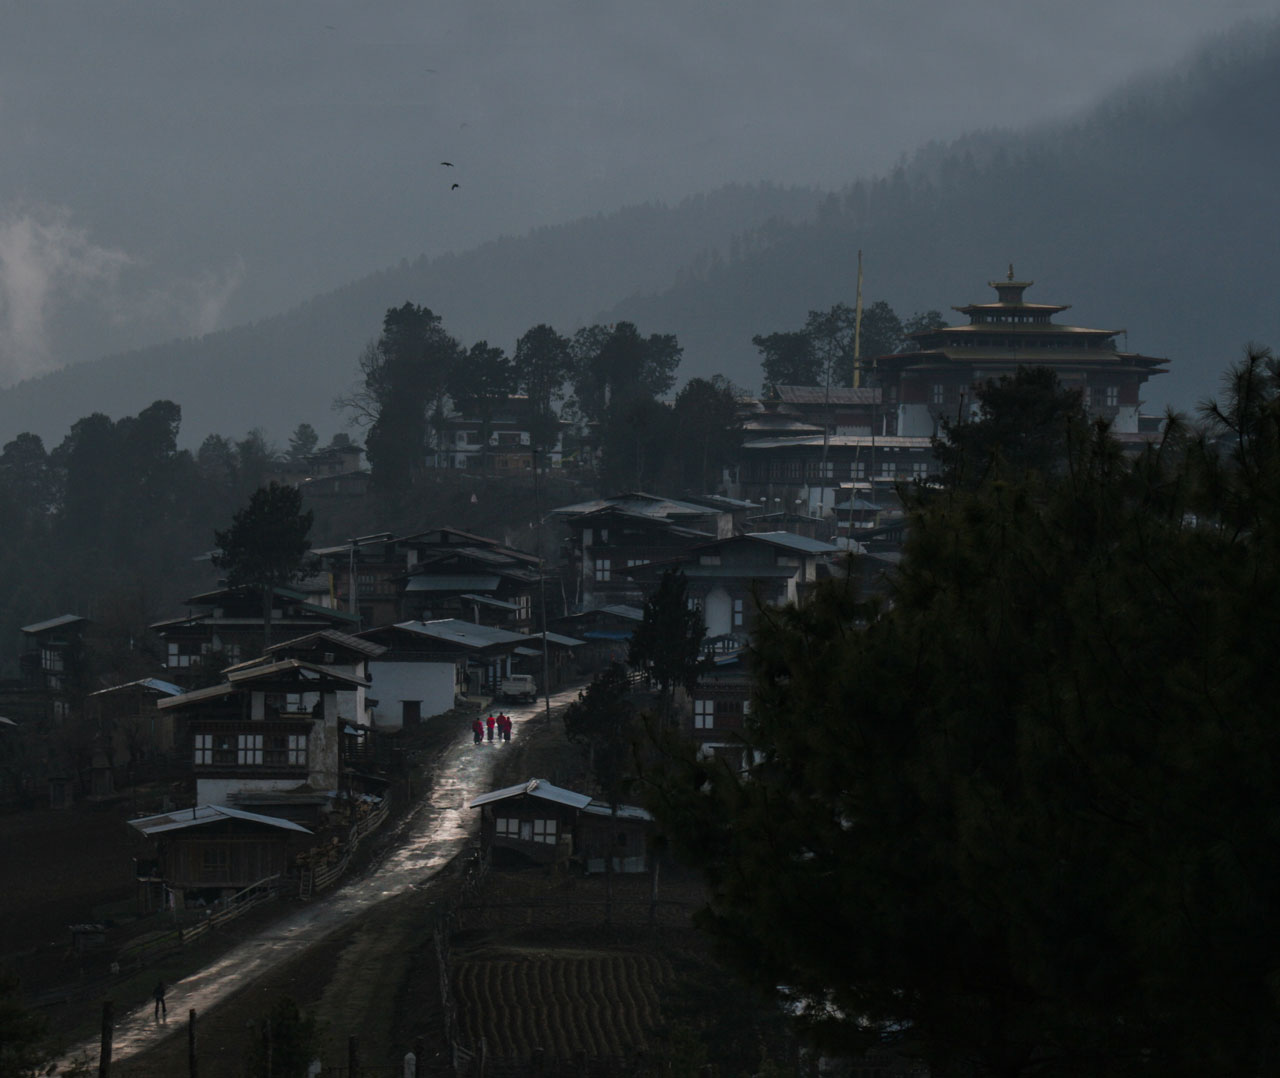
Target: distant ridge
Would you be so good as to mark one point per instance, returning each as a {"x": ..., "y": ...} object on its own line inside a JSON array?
[{"x": 1152, "y": 212}]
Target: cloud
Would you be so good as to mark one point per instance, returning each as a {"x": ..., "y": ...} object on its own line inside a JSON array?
[{"x": 45, "y": 261}]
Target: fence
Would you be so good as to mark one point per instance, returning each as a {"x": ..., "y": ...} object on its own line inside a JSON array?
[{"x": 314, "y": 879}]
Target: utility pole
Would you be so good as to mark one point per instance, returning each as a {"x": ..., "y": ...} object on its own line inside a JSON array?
[{"x": 542, "y": 581}]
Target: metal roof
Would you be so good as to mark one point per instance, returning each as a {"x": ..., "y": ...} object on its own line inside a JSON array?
[
  {"x": 636, "y": 503},
  {"x": 52, "y": 623},
  {"x": 488, "y": 600},
  {"x": 195, "y": 696},
  {"x": 528, "y": 652},
  {"x": 625, "y": 812},
  {"x": 824, "y": 395},
  {"x": 450, "y": 582},
  {"x": 166, "y": 687},
  {"x": 203, "y": 814},
  {"x": 534, "y": 788},
  {"x": 286, "y": 666},
  {"x": 622, "y": 610},
  {"x": 880, "y": 441},
  {"x": 466, "y": 633},
  {"x": 790, "y": 540},
  {"x": 345, "y": 640}
]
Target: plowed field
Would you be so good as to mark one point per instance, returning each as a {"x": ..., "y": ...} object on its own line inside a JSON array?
[{"x": 604, "y": 1003}]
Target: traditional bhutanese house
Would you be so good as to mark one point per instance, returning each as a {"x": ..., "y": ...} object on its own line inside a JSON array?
[
  {"x": 268, "y": 739},
  {"x": 53, "y": 663},
  {"x": 610, "y": 535},
  {"x": 429, "y": 663},
  {"x": 717, "y": 709},
  {"x": 537, "y": 821},
  {"x": 209, "y": 852},
  {"x": 226, "y": 626},
  {"x": 727, "y": 576},
  {"x": 561, "y": 666},
  {"x": 136, "y": 730},
  {"x": 605, "y": 634}
]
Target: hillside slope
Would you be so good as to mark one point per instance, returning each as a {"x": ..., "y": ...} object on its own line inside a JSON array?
[{"x": 1150, "y": 213}]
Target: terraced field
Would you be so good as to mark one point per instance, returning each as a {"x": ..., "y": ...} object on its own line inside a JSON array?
[{"x": 603, "y": 1003}]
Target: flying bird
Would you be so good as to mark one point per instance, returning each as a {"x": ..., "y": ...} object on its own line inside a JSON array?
[
  {"x": 455, "y": 187},
  {"x": 447, "y": 164}
]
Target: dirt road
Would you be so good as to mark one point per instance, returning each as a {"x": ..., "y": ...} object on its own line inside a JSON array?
[{"x": 426, "y": 839}]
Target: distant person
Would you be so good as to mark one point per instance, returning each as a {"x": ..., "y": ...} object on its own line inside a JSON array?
[
  {"x": 477, "y": 728},
  {"x": 158, "y": 995},
  {"x": 505, "y": 729},
  {"x": 491, "y": 721}
]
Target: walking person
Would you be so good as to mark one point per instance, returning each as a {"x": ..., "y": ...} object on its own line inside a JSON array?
[
  {"x": 505, "y": 729},
  {"x": 477, "y": 728},
  {"x": 158, "y": 995},
  {"x": 491, "y": 721}
]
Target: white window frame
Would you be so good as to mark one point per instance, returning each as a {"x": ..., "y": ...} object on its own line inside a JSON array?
[
  {"x": 249, "y": 750},
  {"x": 604, "y": 570},
  {"x": 203, "y": 752},
  {"x": 704, "y": 714}
]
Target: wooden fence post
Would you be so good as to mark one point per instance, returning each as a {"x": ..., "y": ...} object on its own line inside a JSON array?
[
  {"x": 191, "y": 1043},
  {"x": 104, "y": 1053}
]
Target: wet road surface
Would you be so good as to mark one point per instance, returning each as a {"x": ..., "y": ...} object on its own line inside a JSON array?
[{"x": 435, "y": 830}]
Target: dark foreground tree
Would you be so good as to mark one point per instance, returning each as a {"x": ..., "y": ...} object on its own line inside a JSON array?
[
  {"x": 601, "y": 722},
  {"x": 667, "y": 645},
  {"x": 266, "y": 546},
  {"x": 21, "y": 1032},
  {"x": 1022, "y": 819}
]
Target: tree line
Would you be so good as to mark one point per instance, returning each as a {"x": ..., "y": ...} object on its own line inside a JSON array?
[{"x": 1017, "y": 817}]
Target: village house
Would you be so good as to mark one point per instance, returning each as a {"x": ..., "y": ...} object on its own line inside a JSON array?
[
  {"x": 611, "y": 535},
  {"x": 208, "y": 853},
  {"x": 268, "y": 738},
  {"x": 534, "y": 821},
  {"x": 225, "y": 626},
  {"x": 136, "y": 732},
  {"x": 509, "y": 449},
  {"x": 443, "y": 572},
  {"x": 427, "y": 665}
]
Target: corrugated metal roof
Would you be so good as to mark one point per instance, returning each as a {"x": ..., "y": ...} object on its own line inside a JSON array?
[
  {"x": 880, "y": 441},
  {"x": 534, "y": 788},
  {"x": 203, "y": 814},
  {"x": 195, "y": 696},
  {"x": 622, "y": 610},
  {"x": 488, "y": 600},
  {"x": 528, "y": 652},
  {"x": 791, "y": 541},
  {"x": 285, "y": 666},
  {"x": 450, "y": 582},
  {"x": 52, "y": 623},
  {"x": 345, "y": 640},
  {"x": 166, "y": 687},
  {"x": 625, "y": 812},
  {"x": 466, "y": 633},
  {"x": 823, "y": 395}
]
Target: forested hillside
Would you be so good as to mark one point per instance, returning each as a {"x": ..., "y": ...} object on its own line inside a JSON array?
[{"x": 1149, "y": 213}]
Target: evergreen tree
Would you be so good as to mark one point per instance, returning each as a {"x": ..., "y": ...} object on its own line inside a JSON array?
[
  {"x": 1019, "y": 819},
  {"x": 266, "y": 546},
  {"x": 667, "y": 645}
]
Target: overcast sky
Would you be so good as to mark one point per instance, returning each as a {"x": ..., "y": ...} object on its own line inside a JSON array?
[{"x": 172, "y": 168}]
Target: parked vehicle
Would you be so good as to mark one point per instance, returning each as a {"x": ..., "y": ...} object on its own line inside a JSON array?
[{"x": 518, "y": 687}]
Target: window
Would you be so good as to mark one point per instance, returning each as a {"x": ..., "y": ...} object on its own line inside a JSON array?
[
  {"x": 888, "y": 469},
  {"x": 51, "y": 660},
  {"x": 919, "y": 469},
  {"x": 506, "y": 827},
  {"x": 633, "y": 562},
  {"x": 825, "y": 469},
  {"x": 285, "y": 750},
  {"x": 694, "y": 602},
  {"x": 795, "y": 469},
  {"x": 602, "y": 569},
  {"x": 939, "y": 393},
  {"x": 739, "y": 612},
  {"x": 250, "y": 752},
  {"x": 704, "y": 714},
  {"x": 1112, "y": 396},
  {"x": 215, "y": 750},
  {"x": 215, "y": 863},
  {"x": 544, "y": 831},
  {"x": 858, "y": 469}
]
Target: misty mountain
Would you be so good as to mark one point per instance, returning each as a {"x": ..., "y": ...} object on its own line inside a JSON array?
[{"x": 1150, "y": 213}]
